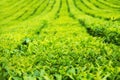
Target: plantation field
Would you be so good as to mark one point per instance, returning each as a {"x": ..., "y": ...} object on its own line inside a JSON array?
[{"x": 59, "y": 40}]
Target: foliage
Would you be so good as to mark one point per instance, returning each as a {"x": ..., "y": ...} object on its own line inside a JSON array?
[{"x": 59, "y": 40}]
